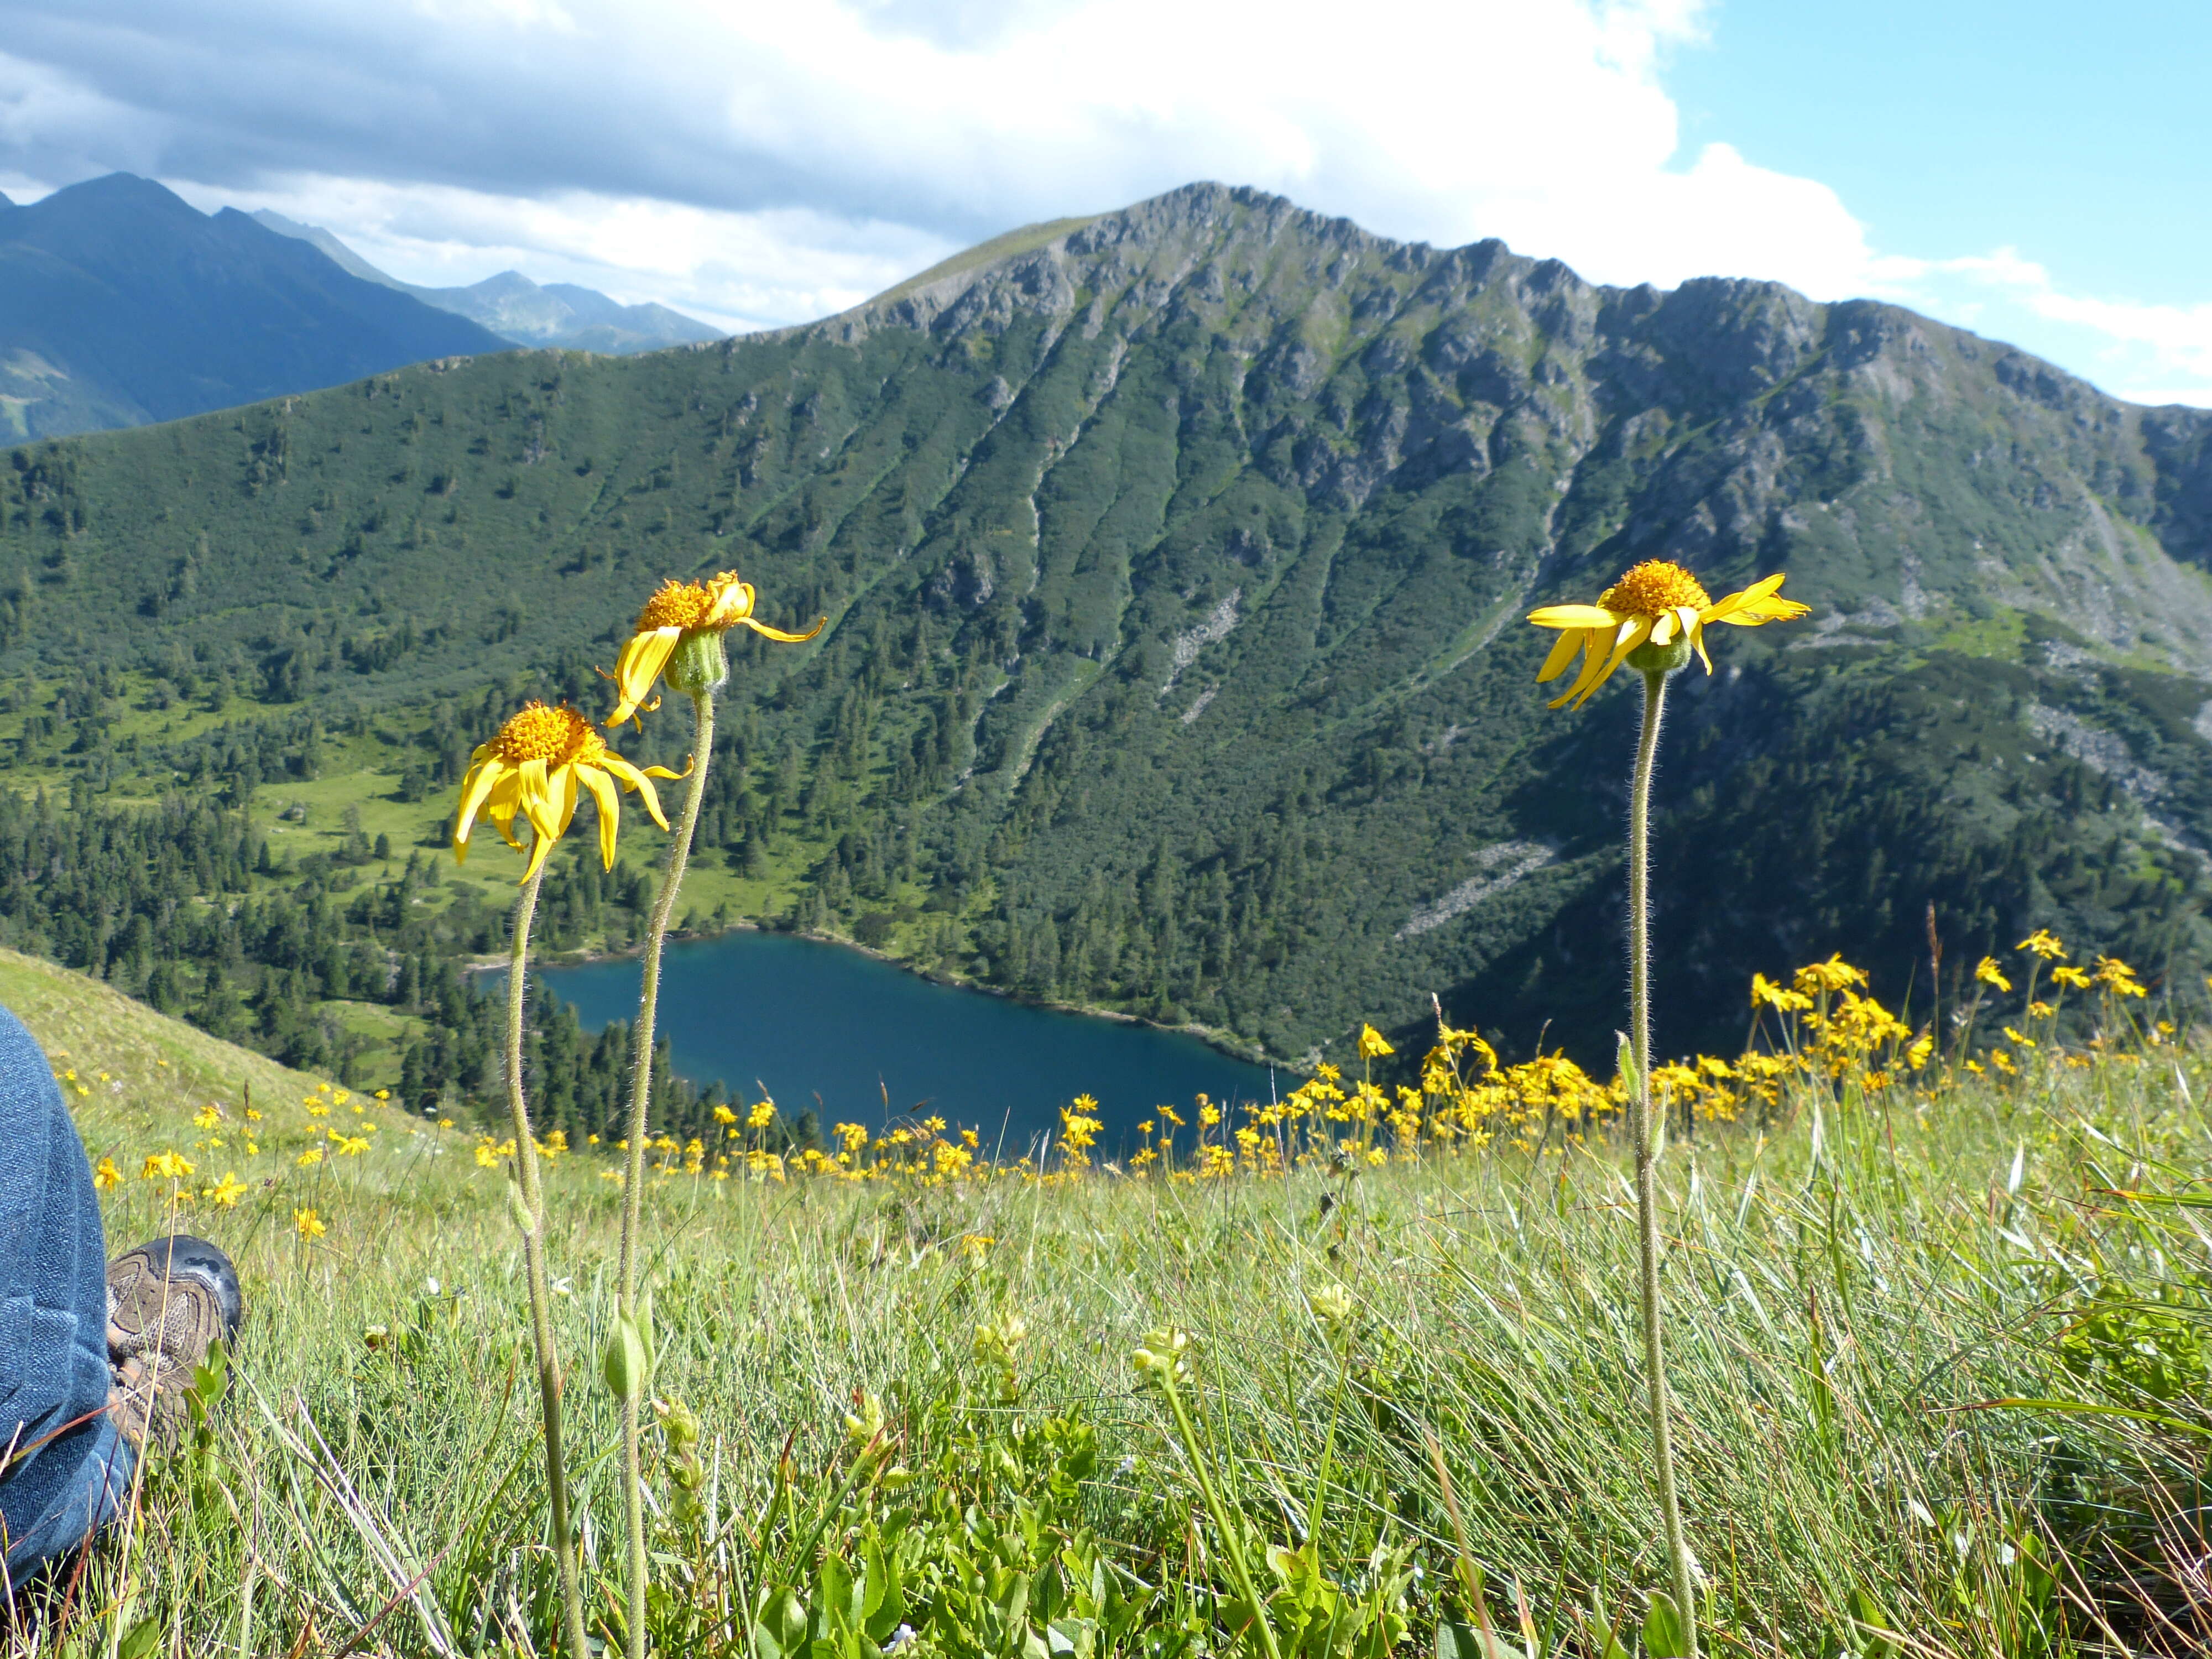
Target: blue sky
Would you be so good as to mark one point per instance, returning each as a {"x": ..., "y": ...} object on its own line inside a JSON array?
[
  {"x": 2079, "y": 136},
  {"x": 2035, "y": 171}
]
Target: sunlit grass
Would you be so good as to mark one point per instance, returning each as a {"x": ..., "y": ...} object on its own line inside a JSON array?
[{"x": 1852, "y": 1284}]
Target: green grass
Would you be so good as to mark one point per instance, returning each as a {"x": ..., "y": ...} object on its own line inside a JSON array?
[{"x": 1850, "y": 1290}]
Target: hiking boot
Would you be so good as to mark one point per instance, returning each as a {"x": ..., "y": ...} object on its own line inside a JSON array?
[{"x": 168, "y": 1302}]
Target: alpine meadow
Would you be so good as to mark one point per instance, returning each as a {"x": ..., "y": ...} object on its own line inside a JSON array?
[{"x": 1135, "y": 614}]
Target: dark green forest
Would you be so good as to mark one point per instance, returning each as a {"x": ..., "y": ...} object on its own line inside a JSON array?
[{"x": 1174, "y": 569}]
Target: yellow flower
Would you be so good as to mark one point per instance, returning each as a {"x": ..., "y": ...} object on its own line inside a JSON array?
[
  {"x": 2041, "y": 943},
  {"x": 165, "y": 1166},
  {"x": 713, "y": 606},
  {"x": 762, "y": 1114},
  {"x": 1372, "y": 1043},
  {"x": 534, "y": 766},
  {"x": 2118, "y": 978},
  {"x": 309, "y": 1158},
  {"x": 1777, "y": 997},
  {"x": 308, "y": 1224},
  {"x": 1989, "y": 973},
  {"x": 1657, "y": 602},
  {"x": 106, "y": 1178},
  {"x": 1833, "y": 974},
  {"x": 486, "y": 1156},
  {"x": 207, "y": 1117},
  {"x": 2077, "y": 978},
  {"x": 227, "y": 1192},
  {"x": 722, "y": 1115}
]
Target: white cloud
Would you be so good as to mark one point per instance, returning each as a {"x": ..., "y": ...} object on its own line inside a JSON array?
[
  {"x": 2146, "y": 353},
  {"x": 761, "y": 162},
  {"x": 924, "y": 124}
]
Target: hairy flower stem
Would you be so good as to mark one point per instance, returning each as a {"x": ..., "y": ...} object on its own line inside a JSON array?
[
  {"x": 640, "y": 1097},
  {"x": 533, "y": 1257},
  {"x": 1647, "y": 1193},
  {"x": 1232, "y": 1540}
]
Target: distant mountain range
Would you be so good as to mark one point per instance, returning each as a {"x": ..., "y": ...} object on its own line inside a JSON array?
[
  {"x": 121, "y": 304},
  {"x": 1175, "y": 562},
  {"x": 512, "y": 306}
]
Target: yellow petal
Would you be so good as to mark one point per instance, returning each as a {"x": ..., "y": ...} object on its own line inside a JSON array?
[
  {"x": 482, "y": 778},
  {"x": 767, "y": 633},
  {"x": 537, "y": 800},
  {"x": 506, "y": 802},
  {"x": 561, "y": 795},
  {"x": 643, "y": 656},
  {"x": 1663, "y": 628},
  {"x": 1597, "y": 664},
  {"x": 1573, "y": 616},
  {"x": 610, "y": 803},
  {"x": 633, "y": 779},
  {"x": 1698, "y": 642},
  {"x": 1721, "y": 610},
  {"x": 538, "y": 849},
  {"x": 732, "y": 603},
  {"x": 1766, "y": 611},
  {"x": 1563, "y": 652}
]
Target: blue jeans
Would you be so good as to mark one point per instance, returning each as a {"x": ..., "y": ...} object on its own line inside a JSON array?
[{"x": 66, "y": 1469}]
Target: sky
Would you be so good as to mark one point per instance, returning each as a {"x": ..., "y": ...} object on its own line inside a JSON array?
[{"x": 2038, "y": 172}]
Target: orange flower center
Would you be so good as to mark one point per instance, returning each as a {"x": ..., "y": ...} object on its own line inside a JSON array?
[
  {"x": 676, "y": 605},
  {"x": 1655, "y": 585},
  {"x": 718, "y": 603},
  {"x": 535, "y": 732}
]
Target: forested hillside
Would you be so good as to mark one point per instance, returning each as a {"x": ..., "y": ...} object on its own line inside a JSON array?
[{"x": 1174, "y": 562}]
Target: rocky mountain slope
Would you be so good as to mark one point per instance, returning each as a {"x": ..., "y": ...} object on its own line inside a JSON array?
[{"x": 1176, "y": 561}]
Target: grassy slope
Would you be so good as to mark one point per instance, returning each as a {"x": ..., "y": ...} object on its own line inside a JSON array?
[
  {"x": 160, "y": 1070},
  {"x": 1838, "y": 1295}
]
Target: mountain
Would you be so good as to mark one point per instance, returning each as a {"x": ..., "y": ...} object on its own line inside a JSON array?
[
  {"x": 124, "y": 305},
  {"x": 1176, "y": 560},
  {"x": 515, "y": 308}
]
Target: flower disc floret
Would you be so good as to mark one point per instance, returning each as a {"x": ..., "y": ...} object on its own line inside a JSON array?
[
  {"x": 1655, "y": 603},
  {"x": 1654, "y": 589}
]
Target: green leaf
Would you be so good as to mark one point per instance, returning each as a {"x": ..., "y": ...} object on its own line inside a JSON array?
[
  {"x": 1875, "y": 1624},
  {"x": 141, "y": 1638},
  {"x": 1456, "y": 1641},
  {"x": 1599, "y": 1634},
  {"x": 1663, "y": 1637}
]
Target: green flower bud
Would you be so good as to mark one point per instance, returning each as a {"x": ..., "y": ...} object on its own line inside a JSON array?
[
  {"x": 698, "y": 664},
  {"x": 1650, "y": 658},
  {"x": 625, "y": 1365}
]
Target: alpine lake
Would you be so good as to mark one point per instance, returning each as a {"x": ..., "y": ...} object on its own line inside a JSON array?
[{"x": 823, "y": 1027}]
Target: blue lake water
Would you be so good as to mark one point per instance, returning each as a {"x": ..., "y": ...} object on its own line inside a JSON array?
[{"x": 819, "y": 1025}]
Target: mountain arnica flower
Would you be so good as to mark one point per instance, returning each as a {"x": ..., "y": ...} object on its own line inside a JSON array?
[
  {"x": 534, "y": 766},
  {"x": 1657, "y": 603},
  {"x": 682, "y": 611},
  {"x": 1652, "y": 619}
]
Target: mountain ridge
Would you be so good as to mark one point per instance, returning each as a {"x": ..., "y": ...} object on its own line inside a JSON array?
[
  {"x": 518, "y": 310},
  {"x": 127, "y": 305},
  {"x": 1173, "y": 566}
]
